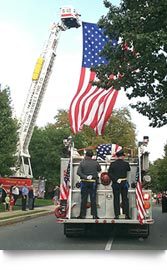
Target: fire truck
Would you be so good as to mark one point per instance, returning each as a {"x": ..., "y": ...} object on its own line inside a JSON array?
[
  {"x": 68, "y": 209},
  {"x": 22, "y": 172}
]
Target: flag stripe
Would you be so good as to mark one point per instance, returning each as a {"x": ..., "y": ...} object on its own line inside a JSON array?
[
  {"x": 109, "y": 104},
  {"x": 84, "y": 88},
  {"x": 96, "y": 100},
  {"x": 64, "y": 190},
  {"x": 139, "y": 201}
]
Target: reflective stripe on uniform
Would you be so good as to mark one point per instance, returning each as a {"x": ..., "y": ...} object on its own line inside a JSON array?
[
  {"x": 123, "y": 179},
  {"x": 88, "y": 180}
]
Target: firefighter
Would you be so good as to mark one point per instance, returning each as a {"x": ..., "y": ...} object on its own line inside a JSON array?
[
  {"x": 88, "y": 171},
  {"x": 118, "y": 174}
]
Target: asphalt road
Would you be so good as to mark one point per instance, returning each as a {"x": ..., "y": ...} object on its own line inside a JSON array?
[{"x": 44, "y": 233}]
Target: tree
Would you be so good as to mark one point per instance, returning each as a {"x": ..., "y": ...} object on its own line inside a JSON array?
[
  {"x": 138, "y": 61},
  {"x": 46, "y": 146},
  {"x": 158, "y": 172},
  {"x": 8, "y": 134},
  {"x": 119, "y": 129}
]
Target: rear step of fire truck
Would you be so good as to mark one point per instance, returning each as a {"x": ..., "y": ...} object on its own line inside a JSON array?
[
  {"x": 121, "y": 227},
  {"x": 83, "y": 229}
]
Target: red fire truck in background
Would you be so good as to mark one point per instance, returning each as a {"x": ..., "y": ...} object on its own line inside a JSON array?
[{"x": 9, "y": 182}]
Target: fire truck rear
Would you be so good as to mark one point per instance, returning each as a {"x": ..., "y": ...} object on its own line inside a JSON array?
[{"x": 68, "y": 209}]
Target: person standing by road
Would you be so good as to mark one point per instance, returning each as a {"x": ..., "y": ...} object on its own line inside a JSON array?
[
  {"x": 24, "y": 197},
  {"x": 117, "y": 172},
  {"x": 164, "y": 202},
  {"x": 56, "y": 195},
  {"x": 1, "y": 193},
  {"x": 15, "y": 193},
  {"x": 7, "y": 201},
  {"x": 31, "y": 198},
  {"x": 11, "y": 203},
  {"x": 88, "y": 171}
]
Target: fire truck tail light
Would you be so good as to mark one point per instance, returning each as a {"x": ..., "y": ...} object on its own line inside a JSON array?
[
  {"x": 146, "y": 196},
  {"x": 146, "y": 205}
]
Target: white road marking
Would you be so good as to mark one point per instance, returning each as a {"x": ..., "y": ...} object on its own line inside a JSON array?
[{"x": 109, "y": 244}]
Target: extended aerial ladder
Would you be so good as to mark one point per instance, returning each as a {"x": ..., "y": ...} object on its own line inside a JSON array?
[{"x": 69, "y": 18}]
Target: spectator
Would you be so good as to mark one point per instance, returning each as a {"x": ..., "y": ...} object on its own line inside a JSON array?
[
  {"x": 164, "y": 202},
  {"x": 24, "y": 197},
  {"x": 15, "y": 193},
  {"x": 56, "y": 195},
  {"x": 31, "y": 198},
  {"x": 159, "y": 197},
  {"x": 7, "y": 201},
  {"x": 1, "y": 192},
  {"x": 11, "y": 203}
]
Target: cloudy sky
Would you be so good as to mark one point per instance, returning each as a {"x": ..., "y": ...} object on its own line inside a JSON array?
[{"x": 24, "y": 28}]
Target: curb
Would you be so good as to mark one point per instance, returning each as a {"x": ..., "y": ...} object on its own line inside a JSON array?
[{"x": 24, "y": 218}]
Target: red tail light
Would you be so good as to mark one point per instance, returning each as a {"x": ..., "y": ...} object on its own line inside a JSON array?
[{"x": 146, "y": 196}]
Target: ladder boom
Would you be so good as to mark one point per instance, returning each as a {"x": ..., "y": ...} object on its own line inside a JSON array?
[{"x": 40, "y": 79}]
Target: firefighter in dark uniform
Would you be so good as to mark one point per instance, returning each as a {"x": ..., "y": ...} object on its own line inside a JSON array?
[
  {"x": 88, "y": 171},
  {"x": 118, "y": 174}
]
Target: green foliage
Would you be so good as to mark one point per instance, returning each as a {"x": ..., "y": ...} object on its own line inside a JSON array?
[
  {"x": 8, "y": 134},
  {"x": 158, "y": 172},
  {"x": 142, "y": 26},
  {"x": 120, "y": 129},
  {"x": 46, "y": 146}
]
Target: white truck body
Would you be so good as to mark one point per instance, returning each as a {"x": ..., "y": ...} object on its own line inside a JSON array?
[{"x": 105, "y": 208}]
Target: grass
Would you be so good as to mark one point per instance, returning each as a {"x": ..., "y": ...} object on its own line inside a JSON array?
[{"x": 38, "y": 202}]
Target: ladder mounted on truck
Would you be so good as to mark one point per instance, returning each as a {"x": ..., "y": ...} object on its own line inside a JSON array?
[{"x": 69, "y": 18}]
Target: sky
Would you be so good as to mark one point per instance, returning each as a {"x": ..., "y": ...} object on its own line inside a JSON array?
[{"x": 24, "y": 27}]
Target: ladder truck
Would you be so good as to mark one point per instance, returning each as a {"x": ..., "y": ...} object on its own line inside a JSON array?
[
  {"x": 69, "y": 18},
  {"x": 67, "y": 210}
]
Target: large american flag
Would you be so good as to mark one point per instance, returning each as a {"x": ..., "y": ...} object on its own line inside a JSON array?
[
  {"x": 91, "y": 106},
  {"x": 139, "y": 199},
  {"x": 64, "y": 190}
]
